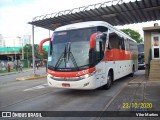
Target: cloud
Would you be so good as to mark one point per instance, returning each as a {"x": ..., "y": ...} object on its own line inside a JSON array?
[
  {"x": 14, "y": 18},
  {"x": 5, "y": 1}
]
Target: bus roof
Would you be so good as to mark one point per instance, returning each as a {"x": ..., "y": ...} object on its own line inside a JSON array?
[
  {"x": 91, "y": 24},
  {"x": 82, "y": 25}
]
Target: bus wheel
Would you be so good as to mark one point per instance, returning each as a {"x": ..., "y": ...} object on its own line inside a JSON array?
[
  {"x": 109, "y": 81},
  {"x": 132, "y": 74}
]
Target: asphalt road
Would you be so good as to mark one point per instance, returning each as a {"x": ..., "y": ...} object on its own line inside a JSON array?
[{"x": 35, "y": 95}]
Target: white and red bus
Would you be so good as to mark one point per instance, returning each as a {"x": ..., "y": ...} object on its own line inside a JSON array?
[{"x": 89, "y": 55}]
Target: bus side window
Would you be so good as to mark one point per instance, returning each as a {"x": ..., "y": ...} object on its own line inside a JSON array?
[
  {"x": 127, "y": 45},
  {"x": 102, "y": 29},
  {"x": 113, "y": 41},
  {"x": 121, "y": 43},
  {"x": 109, "y": 45}
]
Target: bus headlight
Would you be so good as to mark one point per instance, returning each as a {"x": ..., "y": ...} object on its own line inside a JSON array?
[{"x": 87, "y": 75}]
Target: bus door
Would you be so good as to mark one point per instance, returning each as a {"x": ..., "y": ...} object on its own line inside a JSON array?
[{"x": 100, "y": 63}]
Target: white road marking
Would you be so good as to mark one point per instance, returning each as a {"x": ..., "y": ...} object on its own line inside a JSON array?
[{"x": 37, "y": 87}]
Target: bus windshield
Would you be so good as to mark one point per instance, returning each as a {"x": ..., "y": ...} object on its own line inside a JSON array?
[{"x": 70, "y": 49}]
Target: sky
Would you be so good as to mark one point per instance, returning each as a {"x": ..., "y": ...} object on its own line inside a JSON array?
[{"x": 15, "y": 15}]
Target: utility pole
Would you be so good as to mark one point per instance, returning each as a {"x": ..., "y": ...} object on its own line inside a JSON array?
[
  {"x": 21, "y": 40},
  {"x": 33, "y": 55},
  {"x": 14, "y": 51},
  {"x": 22, "y": 50},
  {"x": 27, "y": 58}
]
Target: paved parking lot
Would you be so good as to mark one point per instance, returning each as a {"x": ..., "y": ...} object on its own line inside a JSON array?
[{"x": 35, "y": 95}]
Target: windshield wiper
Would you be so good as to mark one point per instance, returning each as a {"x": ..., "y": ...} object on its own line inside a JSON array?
[
  {"x": 72, "y": 57},
  {"x": 73, "y": 60},
  {"x": 63, "y": 56}
]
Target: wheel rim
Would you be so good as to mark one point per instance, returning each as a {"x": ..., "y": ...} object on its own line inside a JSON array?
[{"x": 109, "y": 80}]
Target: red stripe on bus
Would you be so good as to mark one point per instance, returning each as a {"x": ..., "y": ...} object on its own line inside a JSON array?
[
  {"x": 71, "y": 74},
  {"x": 117, "y": 54}
]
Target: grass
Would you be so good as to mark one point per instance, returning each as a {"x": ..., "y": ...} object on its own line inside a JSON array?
[
  {"x": 5, "y": 71},
  {"x": 12, "y": 70}
]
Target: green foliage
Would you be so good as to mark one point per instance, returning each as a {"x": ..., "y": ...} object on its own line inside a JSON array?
[
  {"x": 133, "y": 34},
  {"x": 28, "y": 52}
]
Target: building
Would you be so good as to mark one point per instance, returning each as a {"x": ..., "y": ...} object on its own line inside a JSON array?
[
  {"x": 26, "y": 39},
  {"x": 2, "y": 42},
  {"x": 12, "y": 53},
  {"x": 22, "y": 41},
  {"x": 152, "y": 51}
]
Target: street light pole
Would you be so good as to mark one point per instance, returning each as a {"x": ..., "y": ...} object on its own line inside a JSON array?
[
  {"x": 33, "y": 55},
  {"x": 27, "y": 58},
  {"x": 22, "y": 47},
  {"x": 22, "y": 51},
  {"x": 14, "y": 51}
]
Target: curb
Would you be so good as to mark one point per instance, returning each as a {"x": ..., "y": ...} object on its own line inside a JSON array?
[
  {"x": 142, "y": 79},
  {"x": 153, "y": 81},
  {"x": 8, "y": 74},
  {"x": 137, "y": 82},
  {"x": 31, "y": 77}
]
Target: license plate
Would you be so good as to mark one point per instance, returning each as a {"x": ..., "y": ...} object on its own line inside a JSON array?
[{"x": 65, "y": 84}]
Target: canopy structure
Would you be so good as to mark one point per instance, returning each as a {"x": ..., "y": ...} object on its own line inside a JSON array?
[{"x": 115, "y": 12}]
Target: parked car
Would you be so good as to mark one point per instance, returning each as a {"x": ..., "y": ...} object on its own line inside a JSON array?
[{"x": 141, "y": 63}]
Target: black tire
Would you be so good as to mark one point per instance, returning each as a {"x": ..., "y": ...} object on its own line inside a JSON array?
[
  {"x": 109, "y": 81},
  {"x": 132, "y": 74}
]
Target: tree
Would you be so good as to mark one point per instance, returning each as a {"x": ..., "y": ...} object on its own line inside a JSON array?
[
  {"x": 133, "y": 34},
  {"x": 28, "y": 52}
]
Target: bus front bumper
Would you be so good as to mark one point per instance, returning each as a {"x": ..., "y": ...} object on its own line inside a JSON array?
[{"x": 84, "y": 84}]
